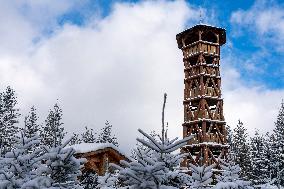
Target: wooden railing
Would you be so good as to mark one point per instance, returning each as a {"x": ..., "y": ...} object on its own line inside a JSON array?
[
  {"x": 206, "y": 138},
  {"x": 201, "y": 46},
  {"x": 207, "y": 70},
  {"x": 191, "y": 93},
  {"x": 210, "y": 91},
  {"x": 212, "y": 138},
  {"x": 195, "y": 92},
  {"x": 191, "y": 115}
]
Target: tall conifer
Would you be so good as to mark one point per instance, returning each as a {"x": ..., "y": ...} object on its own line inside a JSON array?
[
  {"x": 31, "y": 126},
  {"x": 278, "y": 146},
  {"x": 9, "y": 115},
  {"x": 52, "y": 133},
  {"x": 241, "y": 150},
  {"x": 106, "y": 136},
  {"x": 258, "y": 159}
]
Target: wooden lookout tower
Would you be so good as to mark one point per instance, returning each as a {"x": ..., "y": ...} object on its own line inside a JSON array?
[{"x": 203, "y": 105}]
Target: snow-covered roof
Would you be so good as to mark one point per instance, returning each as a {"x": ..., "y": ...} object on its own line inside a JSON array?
[{"x": 91, "y": 147}]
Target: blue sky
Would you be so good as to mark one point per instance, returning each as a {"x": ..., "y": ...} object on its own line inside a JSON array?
[
  {"x": 263, "y": 58},
  {"x": 113, "y": 60}
]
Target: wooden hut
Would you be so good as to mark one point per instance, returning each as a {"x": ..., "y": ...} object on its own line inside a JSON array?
[{"x": 98, "y": 156}]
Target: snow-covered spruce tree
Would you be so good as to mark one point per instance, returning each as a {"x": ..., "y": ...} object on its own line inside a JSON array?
[
  {"x": 52, "y": 133},
  {"x": 229, "y": 135},
  {"x": 268, "y": 153},
  {"x": 9, "y": 114},
  {"x": 75, "y": 139},
  {"x": 19, "y": 167},
  {"x": 241, "y": 149},
  {"x": 89, "y": 136},
  {"x": 202, "y": 176},
  {"x": 89, "y": 180},
  {"x": 278, "y": 146},
  {"x": 31, "y": 126},
  {"x": 260, "y": 173},
  {"x": 110, "y": 181},
  {"x": 61, "y": 166},
  {"x": 141, "y": 147},
  {"x": 156, "y": 166},
  {"x": 229, "y": 178},
  {"x": 105, "y": 135},
  {"x": 269, "y": 165}
]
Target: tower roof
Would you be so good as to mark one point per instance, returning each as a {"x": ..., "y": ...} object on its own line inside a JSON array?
[{"x": 202, "y": 27}]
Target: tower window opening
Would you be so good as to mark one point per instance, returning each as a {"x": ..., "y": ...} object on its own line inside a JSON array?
[
  {"x": 212, "y": 107},
  {"x": 216, "y": 152},
  {"x": 209, "y": 60},
  {"x": 193, "y": 60},
  {"x": 193, "y": 86},
  {"x": 200, "y": 125},
  {"x": 208, "y": 126},
  {"x": 210, "y": 83},
  {"x": 220, "y": 128},
  {"x": 209, "y": 37},
  {"x": 191, "y": 39},
  {"x": 193, "y": 108}
]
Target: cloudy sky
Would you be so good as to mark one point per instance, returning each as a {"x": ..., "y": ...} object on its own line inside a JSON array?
[{"x": 113, "y": 60}]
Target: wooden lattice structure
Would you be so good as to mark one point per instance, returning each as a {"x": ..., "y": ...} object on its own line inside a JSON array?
[{"x": 203, "y": 105}]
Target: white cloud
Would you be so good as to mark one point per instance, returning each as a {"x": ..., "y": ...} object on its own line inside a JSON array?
[
  {"x": 256, "y": 106},
  {"x": 117, "y": 68},
  {"x": 24, "y": 22},
  {"x": 264, "y": 18}
]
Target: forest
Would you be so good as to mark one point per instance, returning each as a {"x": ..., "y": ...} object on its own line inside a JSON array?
[{"x": 38, "y": 155}]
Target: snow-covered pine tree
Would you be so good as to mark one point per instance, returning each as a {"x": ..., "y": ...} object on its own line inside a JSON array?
[
  {"x": 61, "y": 166},
  {"x": 19, "y": 167},
  {"x": 9, "y": 114},
  {"x": 229, "y": 178},
  {"x": 140, "y": 146},
  {"x": 156, "y": 166},
  {"x": 89, "y": 136},
  {"x": 105, "y": 135},
  {"x": 110, "y": 181},
  {"x": 229, "y": 135},
  {"x": 269, "y": 166},
  {"x": 89, "y": 180},
  {"x": 268, "y": 154},
  {"x": 272, "y": 156},
  {"x": 75, "y": 139},
  {"x": 241, "y": 149},
  {"x": 259, "y": 174},
  {"x": 31, "y": 126},
  {"x": 202, "y": 176},
  {"x": 52, "y": 133},
  {"x": 278, "y": 133}
]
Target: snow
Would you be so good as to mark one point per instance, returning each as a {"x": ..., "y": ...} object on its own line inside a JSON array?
[
  {"x": 205, "y": 119},
  {"x": 91, "y": 147},
  {"x": 155, "y": 164},
  {"x": 203, "y": 96},
  {"x": 209, "y": 144}
]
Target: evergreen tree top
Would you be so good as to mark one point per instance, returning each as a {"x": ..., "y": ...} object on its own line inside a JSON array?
[
  {"x": 31, "y": 126},
  {"x": 279, "y": 124}
]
